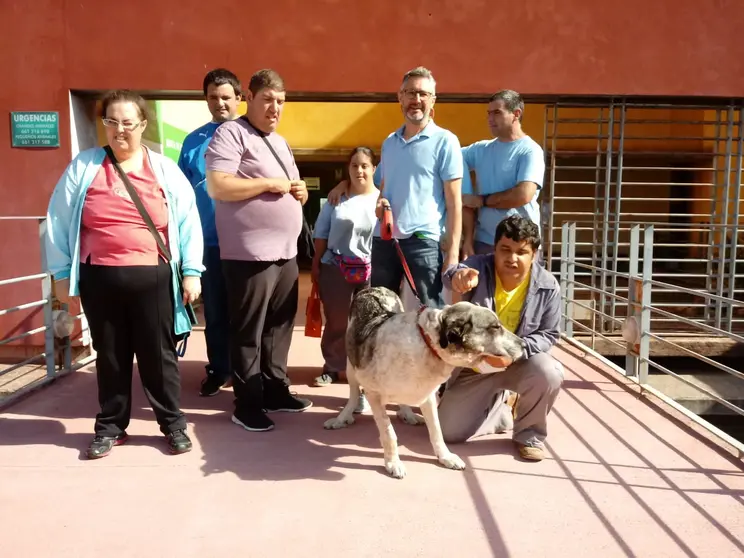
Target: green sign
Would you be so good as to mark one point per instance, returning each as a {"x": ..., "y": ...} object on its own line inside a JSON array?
[
  {"x": 34, "y": 129},
  {"x": 172, "y": 140}
]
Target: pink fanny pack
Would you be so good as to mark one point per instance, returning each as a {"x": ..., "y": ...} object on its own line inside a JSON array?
[{"x": 354, "y": 269}]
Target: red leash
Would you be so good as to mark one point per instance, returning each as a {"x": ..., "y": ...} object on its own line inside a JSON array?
[{"x": 386, "y": 233}]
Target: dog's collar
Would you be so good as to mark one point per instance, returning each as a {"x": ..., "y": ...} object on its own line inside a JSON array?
[{"x": 424, "y": 335}]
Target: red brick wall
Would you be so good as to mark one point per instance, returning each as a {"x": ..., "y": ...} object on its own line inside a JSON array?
[{"x": 668, "y": 47}]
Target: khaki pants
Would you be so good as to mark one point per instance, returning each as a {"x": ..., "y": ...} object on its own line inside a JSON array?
[{"x": 474, "y": 404}]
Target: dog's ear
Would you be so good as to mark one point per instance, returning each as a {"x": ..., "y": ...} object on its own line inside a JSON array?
[{"x": 452, "y": 332}]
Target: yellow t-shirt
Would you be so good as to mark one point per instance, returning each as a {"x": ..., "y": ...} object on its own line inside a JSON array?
[{"x": 509, "y": 303}]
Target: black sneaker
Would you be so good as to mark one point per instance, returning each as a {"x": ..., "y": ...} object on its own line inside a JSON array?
[
  {"x": 286, "y": 403},
  {"x": 325, "y": 379},
  {"x": 210, "y": 385},
  {"x": 101, "y": 446},
  {"x": 253, "y": 422},
  {"x": 178, "y": 442}
]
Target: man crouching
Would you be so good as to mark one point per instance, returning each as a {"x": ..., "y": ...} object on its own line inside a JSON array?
[{"x": 526, "y": 298}]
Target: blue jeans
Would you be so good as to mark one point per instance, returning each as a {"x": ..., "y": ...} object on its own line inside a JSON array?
[
  {"x": 217, "y": 327},
  {"x": 424, "y": 259}
]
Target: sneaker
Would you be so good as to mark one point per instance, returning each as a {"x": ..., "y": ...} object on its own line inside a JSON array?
[
  {"x": 511, "y": 402},
  {"x": 325, "y": 379},
  {"x": 178, "y": 442},
  {"x": 101, "y": 446},
  {"x": 287, "y": 403},
  {"x": 530, "y": 453},
  {"x": 362, "y": 404},
  {"x": 505, "y": 422},
  {"x": 253, "y": 422},
  {"x": 210, "y": 385}
]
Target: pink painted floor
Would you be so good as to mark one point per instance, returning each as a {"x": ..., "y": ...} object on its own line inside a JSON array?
[{"x": 621, "y": 479}]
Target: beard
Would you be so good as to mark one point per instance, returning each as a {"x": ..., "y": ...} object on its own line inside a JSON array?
[{"x": 417, "y": 115}]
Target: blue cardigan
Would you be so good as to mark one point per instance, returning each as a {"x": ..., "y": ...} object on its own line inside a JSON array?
[{"x": 65, "y": 211}]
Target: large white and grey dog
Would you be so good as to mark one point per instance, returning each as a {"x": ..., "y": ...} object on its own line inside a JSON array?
[{"x": 403, "y": 357}]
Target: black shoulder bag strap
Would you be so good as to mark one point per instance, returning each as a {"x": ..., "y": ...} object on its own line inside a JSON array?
[
  {"x": 306, "y": 232},
  {"x": 268, "y": 144},
  {"x": 150, "y": 225}
]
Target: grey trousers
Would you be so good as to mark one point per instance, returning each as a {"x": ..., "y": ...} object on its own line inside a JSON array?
[
  {"x": 474, "y": 404},
  {"x": 335, "y": 294}
]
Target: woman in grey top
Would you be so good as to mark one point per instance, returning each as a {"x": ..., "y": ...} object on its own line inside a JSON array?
[{"x": 342, "y": 263}]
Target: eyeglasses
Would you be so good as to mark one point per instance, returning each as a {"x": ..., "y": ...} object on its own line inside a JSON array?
[
  {"x": 413, "y": 93},
  {"x": 128, "y": 126}
]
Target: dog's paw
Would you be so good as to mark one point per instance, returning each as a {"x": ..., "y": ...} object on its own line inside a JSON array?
[
  {"x": 452, "y": 461},
  {"x": 395, "y": 469},
  {"x": 338, "y": 422},
  {"x": 409, "y": 417}
]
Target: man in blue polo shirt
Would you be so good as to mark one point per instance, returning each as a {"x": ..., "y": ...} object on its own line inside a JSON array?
[
  {"x": 223, "y": 94},
  {"x": 509, "y": 172},
  {"x": 422, "y": 170}
]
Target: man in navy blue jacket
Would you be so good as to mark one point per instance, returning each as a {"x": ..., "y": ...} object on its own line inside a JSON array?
[
  {"x": 223, "y": 94},
  {"x": 527, "y": 299}
]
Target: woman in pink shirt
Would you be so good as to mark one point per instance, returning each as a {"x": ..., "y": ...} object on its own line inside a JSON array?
[{"x": 101, "y": 248}]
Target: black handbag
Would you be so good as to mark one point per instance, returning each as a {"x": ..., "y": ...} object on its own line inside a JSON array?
[
  {"x": 151, "y": 226},
  {"x": 305, "y": 242}
]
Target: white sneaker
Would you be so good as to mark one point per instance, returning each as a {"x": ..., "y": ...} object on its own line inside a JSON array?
[{"x": 362, "y": 404}]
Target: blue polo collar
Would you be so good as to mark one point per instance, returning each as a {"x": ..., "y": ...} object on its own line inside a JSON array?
[{"x": 429, "y": 130}]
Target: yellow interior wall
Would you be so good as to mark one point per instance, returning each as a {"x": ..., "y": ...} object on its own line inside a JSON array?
[
  {"x": 316, "y": 125},
  {"x": 327, "y": 125}
]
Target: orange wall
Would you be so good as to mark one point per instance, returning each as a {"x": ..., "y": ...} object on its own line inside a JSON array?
[{"x": 636, "y": 47}]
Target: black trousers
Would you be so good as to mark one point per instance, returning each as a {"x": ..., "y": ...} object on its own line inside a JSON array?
[
  {"x": 130, "y": 312},
  {"x": 262, "y": 300}
]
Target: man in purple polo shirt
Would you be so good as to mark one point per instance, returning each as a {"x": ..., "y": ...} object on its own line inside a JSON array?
[{"x": 259, "y": 218}]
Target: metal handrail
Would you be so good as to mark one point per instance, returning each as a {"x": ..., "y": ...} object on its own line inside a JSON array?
[
  {"x": 737, "y": 410},
  {"x": 25, "y": 306},
  {"x": 654, "y": 282},
  {"x": 22, "y": 279},
  {"x": 703, "y": 358},
  {"x": 640, "y": 308},
  {"x": 53, "y": 347},
  {"x": 629, "y": 224},
  {"x": 24, "y": 335}
]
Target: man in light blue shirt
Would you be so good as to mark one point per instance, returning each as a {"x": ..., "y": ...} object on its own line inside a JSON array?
[
  {"x": 509, "y": 172},
  {"x": 223, "y": 94},
  {"x": 422, "y": 170}
]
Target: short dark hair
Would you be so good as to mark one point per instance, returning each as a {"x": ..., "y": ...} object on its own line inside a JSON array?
[
  {"x": 266, "y": 79},
  {"x": 419, "y": 72},
  {"x": 519, "y": 229},
  {"x": 364, "y": 151},
  {"x": 511, "y": 99},
  {"x": 221, "y": 76},
  {"x": 124, "y": 96}
]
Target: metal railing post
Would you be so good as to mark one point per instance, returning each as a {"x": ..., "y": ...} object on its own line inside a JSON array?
[
  {"x": 710, "y": 304},
  {"x": 607, "y": 325},
  {"x": 47, "y": 293},
  {"x": 67, "y": 354},
  {"x": 570, "y": 276},
  {"x": 631, "y": 352},
  {"x": 617, "y": 216},
  {"x": 645, "y": 326},
  {"x": 723, "y": 241},
  {"x": 735, "y": 221},
  {"x": 564, "y": 273}
]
